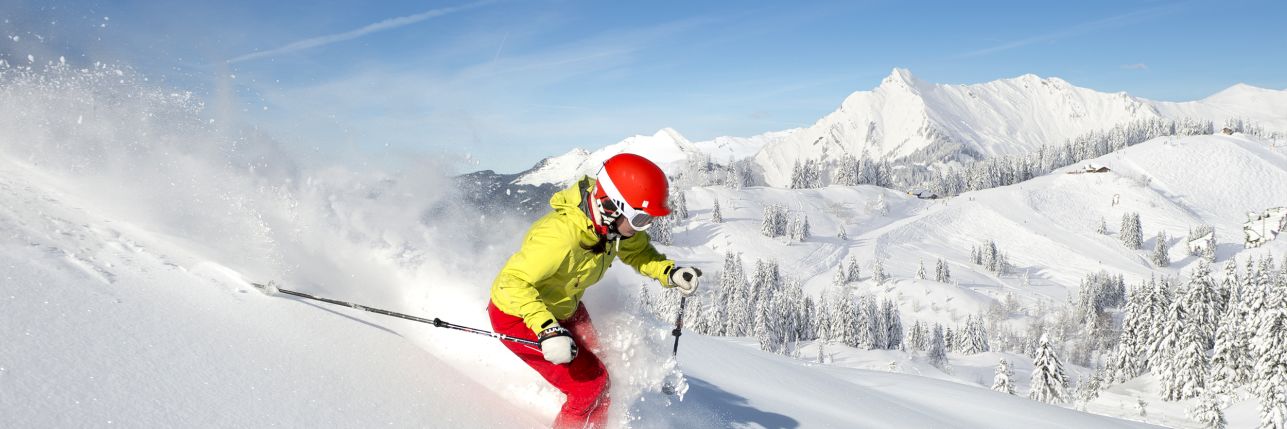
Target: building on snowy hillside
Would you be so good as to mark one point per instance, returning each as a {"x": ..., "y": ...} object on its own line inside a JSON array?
[
  {"x": 923, "y": 194},
  {"x": 1091, "y": 168},
  {"x": 1262, "y": 227}
]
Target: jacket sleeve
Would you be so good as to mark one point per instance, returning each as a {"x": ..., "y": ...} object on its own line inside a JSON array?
[
  {"x": 637, "y": 251},
  {"x": 543, "y": 249}
]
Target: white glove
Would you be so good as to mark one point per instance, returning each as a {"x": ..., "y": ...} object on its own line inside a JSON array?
[
  {"x": 685, "y": 279},
  {"x": 557, "y": 345}
]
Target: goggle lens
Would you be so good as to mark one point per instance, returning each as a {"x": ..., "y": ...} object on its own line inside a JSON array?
[{"x": 639, "y": 220}]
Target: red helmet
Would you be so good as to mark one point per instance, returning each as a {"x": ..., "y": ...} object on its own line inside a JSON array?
[{"x": 632, "y": 186}]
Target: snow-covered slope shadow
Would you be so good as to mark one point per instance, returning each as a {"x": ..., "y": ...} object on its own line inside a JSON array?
[{"x": 745, "y": 387}]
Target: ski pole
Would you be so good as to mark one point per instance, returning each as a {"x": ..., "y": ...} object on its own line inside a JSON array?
[
  {"x": 669, "y": 387},
  {"x": 679, "y": 325},
  {"x": 272, "y": 289}
]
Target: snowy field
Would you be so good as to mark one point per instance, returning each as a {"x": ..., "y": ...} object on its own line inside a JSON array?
[{"x": 132, "y": 222}]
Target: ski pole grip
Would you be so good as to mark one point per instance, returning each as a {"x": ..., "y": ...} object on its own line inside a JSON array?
[{"x": 438, "y": 323}]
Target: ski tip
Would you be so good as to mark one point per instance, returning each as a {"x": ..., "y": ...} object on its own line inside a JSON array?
[{"x": 269, "y": 288}]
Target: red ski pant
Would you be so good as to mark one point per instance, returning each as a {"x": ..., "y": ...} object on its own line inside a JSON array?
[{"x": 584, "y": 380}]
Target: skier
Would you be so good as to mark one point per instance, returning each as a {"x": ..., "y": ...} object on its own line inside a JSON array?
[{"x": 537, "y": 295}]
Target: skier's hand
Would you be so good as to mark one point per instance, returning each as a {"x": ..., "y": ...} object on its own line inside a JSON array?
[
  {"x": 557, "y": 345},
  {"x": 685, "y": 279}
]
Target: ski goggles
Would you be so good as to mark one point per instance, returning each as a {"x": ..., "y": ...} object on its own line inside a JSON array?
[
  {"x": 639, "y": 220},
  {"x": 616, "y": 203}
]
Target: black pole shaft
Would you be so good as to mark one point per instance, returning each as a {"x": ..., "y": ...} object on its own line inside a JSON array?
[
  {"x": 436, "y": 322},
  {"x": 679, "y": 325}
]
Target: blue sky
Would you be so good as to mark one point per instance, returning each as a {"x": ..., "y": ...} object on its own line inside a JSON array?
[{"x": 510, "y": 82}]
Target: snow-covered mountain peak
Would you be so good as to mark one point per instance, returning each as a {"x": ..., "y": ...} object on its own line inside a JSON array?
[
  {"x": 906, "y": 118},
  {"x": 673, "y": 135},
  {"x": 1241, "y": 92},
  {"x": 667, "y": 147},
  {"x": 900, "y": 78}
]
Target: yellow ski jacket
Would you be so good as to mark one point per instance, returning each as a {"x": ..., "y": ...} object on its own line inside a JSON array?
[{"x": 545, "y": 279}]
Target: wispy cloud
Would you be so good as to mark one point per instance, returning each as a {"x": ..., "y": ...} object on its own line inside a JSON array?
[
  {"x": 1075, "y": 30},
  {"x": 387, "y": 24},
  {"x": 1136, "y": 66}
]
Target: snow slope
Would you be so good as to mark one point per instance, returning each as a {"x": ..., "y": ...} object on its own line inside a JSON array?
[
  {"x": 129, "y": 234},
  {"x": 106, "y": 324},
  {"x": 109, "y": 324}
]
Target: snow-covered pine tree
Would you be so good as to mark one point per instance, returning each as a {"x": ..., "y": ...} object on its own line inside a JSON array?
[
  {"x": 1089, "y": 390},
  {"x": 843, "y": 324},
  {"x": 808, "y": 328},
  {"x": 1049, "y": 383},
  {"x": 853, "y": 271},
  {"x": 878, "y": 272},
  {"x": 894, "y": 323},
  {"x": 799, "y": 228},
  {"x": 805, "y": 233},
  {"x": 1160, "y": 257},
  {"x": 990, "y": 255},
  {"x": 797, "y": 176},
  {"x": 975, "y": 337},
  {"x": 791, "y": 311},
  {"x": 881, "y": 206},
  {"x": 1230, "y": 362},
  {"x": 1169, "y": 339},
  {"x": 1003, "y": 264},
  {"x": 842, "y": 235},
  {"x": 822, "y": 316},
  {"x": 767, "y": 279},
  {"x": 1156, "y": 313},
  {"x": 716, "y": 215},
  {"x": 1197, "y": 247},
  {"x": 863, "y": 337},
  {"x": 716, "y": 318},
  {"x": 774, "y": 223},
  {"x": 793, "y": 228},
  {"x": 644, "y": 299},
  {"x": 846, "y": 171},
  {"x": 838, "y": 280},
  {"x": 1183, "y": 375},
  {"x": 1131, "y": 233},
  {"x": 938, "y": 271},
  {"x": 1103, "y": 227},
  {"x": 876, "y": 323},
  {"x": 1269, "y": 348},
  {"x": 768, "y": 325},
  {"x": 937, "y": 354},
  {"x": 662, "y": 230},
  {"x": 967, "y": 341},
  {"x": 695, "y": 311},
  {"x": 1202, "y": 302},
  {"x": 737, "y": 297},
  {"x": 1003, "y": 381},
  {"x": 678, "y": 204},
  {"x": 949, "y": 338},
  {"x": 915, "y": 339},
  {"x": 1208, "y": 411},
  {"x": 806, "y": 175},
  {"x": 920, "y": 270}
]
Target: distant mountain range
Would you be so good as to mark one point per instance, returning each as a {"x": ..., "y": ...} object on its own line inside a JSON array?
[{"x": 906, "y": 119}]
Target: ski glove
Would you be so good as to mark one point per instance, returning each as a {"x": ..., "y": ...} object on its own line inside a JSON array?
[
  {"x": 685, "y": 279},
  {"x": 557, "y": 345}
]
